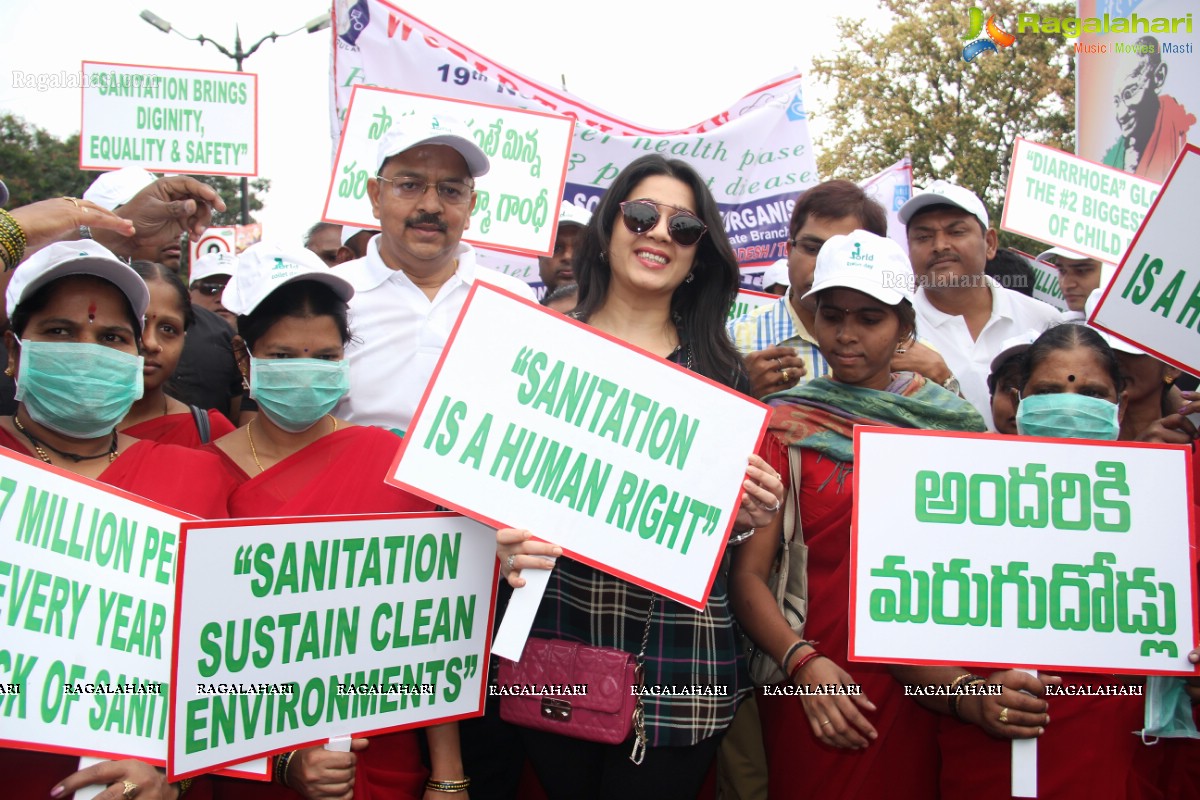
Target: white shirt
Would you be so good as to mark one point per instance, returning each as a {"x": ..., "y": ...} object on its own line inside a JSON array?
[
  {"x": 398, "y": 333},
  {"x": 971, "y": 360}
]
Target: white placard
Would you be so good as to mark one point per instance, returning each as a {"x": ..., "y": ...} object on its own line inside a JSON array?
[
  {"x": 630, "y": 463},
  {"x": 165, "y": 119},
  {"x": 1019, "y": 552},
  {"x": 747, "y": 300},
  {"x": 516, "y": 207},
  {"x": 1153, "y": 300},
  {"x": 326, "y": 627}
]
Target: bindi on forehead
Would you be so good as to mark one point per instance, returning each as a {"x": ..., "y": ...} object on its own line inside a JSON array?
[
  {"x": 92, "y": 311},
  {"x": 1070, "y": 379}
]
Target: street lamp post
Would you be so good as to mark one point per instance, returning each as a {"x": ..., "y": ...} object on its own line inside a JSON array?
[{"x": 314, "y": 25}]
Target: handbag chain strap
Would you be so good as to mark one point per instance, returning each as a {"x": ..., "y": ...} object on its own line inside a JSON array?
[{"x": 638, "y": 754}]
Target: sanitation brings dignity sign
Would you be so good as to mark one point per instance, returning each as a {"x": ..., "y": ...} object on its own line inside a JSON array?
[
  {"x": 295, "y": 631},
  {"x": 1021, "y": 552}
]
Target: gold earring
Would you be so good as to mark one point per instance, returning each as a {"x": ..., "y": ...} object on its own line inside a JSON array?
[
  {"x": 1168, "y": 380},
  {"x": 8, "y": 371}
]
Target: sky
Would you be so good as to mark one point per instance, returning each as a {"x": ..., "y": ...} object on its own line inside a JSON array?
[{"x": 657, "y": 64}]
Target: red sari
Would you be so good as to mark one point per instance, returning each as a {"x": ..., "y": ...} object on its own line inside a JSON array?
[
  {"x": 341, "y": 473},
  {"x": 180, "y": 428},
  {"x": 178, "y": 477}
]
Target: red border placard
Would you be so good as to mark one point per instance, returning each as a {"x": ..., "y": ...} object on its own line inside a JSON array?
[
  {"x": 690, "y": 602},
  {"x": 198, "y": 525},
  {"x": 1191, "y": 148},
  {"x": 167, "y": 168},
  {"x": 861, "y": 430},
  {"x": 551, "y": 219}
]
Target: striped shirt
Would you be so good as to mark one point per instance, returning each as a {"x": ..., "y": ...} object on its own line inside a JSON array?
[{"x": 777, "y": 324}]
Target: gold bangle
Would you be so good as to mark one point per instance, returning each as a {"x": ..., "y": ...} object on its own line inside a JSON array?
[
  {"x": 449, "y": 787},
  {"x": 184, "y": 785},
  {"x": 13, "y": 238}
]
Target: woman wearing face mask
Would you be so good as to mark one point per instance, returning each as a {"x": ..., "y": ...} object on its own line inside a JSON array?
[
  {"x": 841, "y": 746},
  {"x": 74, "y": 350},
  {"x": 295, "y": 459},
  {"x": 1071, "y": 387},
  {"x": 157, "y": 415}
]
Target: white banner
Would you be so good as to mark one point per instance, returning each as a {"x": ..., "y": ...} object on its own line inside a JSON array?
[
  {"x": 169, "y": 120},
  {"x": 1153, "y": 300},
  {"x": 1004, "y": 551},
  {"x": 748, "y": 300},
  {"x": 631, "y": 464},
  {"x": 326, "y": 627},
  {"x": 891, "y": 188}
]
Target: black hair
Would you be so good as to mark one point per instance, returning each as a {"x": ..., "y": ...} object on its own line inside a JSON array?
[
  {"x": 1007, "y": 372},
  {"x": 1011, "y": 271},
  {"x": 560, "y": 293},
  {"x": 304, "y": 298},
  {"x": 317, "y": 228},
  {"x": 38, "y": 301},
  {"x": 700, "y": 305},
  {"x": 944, "y": 207},
  {"x": 1070, "y": 337},
  {"x": 153, "y": 271},
  {"x": 834, "y": 200}
]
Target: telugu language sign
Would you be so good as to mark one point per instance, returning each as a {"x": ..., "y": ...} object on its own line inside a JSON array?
[
  {"x": 1065, "y": 200},
  {"x": 1154, "y": 299},
  {"x": 295, "y": 631},
  {"x": 516, "y": 206},
  {"x": 1019, "y": 552},
  {"x": 632, "y": 464},
  {"x": 169, "y": 120}
]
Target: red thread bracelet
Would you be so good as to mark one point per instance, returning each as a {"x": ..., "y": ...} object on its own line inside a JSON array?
[{"x": 801, "y": 662}]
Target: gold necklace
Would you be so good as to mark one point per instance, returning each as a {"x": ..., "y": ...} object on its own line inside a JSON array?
[
  {"x": 250, "y": 438},
  {"x": 37, "y": 443}
]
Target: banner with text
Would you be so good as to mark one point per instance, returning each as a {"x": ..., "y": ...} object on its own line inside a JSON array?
[
  {"x": 1153, "y": 300},
  {"x": 747, "y": 300},
  {"x": 326, "y": 627},
  {"x": 1065, "y": 200},
  {"x": 169, "y": 120},
  {"x": 1063, "y": 554},
  {"x": 632, "y": 464},
  {"x": 1045, "y": 281},
  {"x": 516, "y": 206},
  {"x": 757, "y": 155},
  {"x": 892, "y": 188}
]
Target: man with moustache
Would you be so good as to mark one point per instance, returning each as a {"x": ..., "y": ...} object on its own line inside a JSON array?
[
  {"x": 964, "y": 314},
  {"x": 414, "y": 279}
]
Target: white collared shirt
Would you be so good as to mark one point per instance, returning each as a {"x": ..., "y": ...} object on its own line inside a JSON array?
[
  {"x": 398, "y": 333},
  {"x": 971, "y": 360}
]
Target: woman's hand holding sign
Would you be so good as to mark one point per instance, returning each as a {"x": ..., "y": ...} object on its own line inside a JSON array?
[{"x": 517, "y": 550}]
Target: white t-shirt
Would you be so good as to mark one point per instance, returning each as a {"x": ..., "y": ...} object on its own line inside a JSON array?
[
  {"x": 971, "y": 360},
  {"x": 398, "y": 333}
]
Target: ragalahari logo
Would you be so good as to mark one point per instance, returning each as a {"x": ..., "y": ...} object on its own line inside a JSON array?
[{"x": 993, "y": 39}]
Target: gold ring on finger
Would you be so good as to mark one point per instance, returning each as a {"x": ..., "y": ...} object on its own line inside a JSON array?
[
  {"x": 131, "y": 788},
  {"x": 826, "y": 722},
  {"x": 1004, "y": 715},
  {"x": 76, "y": 202}
]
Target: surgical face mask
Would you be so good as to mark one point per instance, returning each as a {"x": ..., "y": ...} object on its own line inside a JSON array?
[
  {"x": 78, "y": 390},
  {"x": 1168, "y": 710},
  {"x": 1068, "y": 416},
  {"x": 296, "y": 392}
]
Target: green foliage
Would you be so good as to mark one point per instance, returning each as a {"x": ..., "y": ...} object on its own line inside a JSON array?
[
  {"x": 905, "y": 90},
  {"x": 36, "y": 166}
]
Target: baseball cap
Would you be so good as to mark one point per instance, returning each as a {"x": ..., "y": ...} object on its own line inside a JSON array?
[
  {"x": 1014, "y": 345},
  {"x": 214, "y": 264},
  {"x": 945, "y": 193},
  {"x": 873, "y": 265},
  {"x": 1054, "y": 252},
  {"x": 264, "y": 267},
  {"x": 116, "y": 188},
  {"x": 571, "y": 214},
  {"x": 349, "y": 232},
  {"x": 418, "y": 129},
  {"x": 1115, "y": 343},
  {"x": 84, "y": 257},
  {"x": 777, "y": 273}
]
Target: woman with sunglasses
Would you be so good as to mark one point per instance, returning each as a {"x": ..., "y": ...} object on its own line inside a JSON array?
[
  {"x": 74, "y": 350},
  {"x": 655, "y": 270}
]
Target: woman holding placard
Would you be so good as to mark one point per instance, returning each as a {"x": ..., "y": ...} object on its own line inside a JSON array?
[
  {"x": 656, "y": 271},
  {"x": 296, "y": 460},
  {"x": 875, "y": 743},
  {"x": 75, "y": 353}
]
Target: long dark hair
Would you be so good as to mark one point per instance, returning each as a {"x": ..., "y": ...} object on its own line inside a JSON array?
[
  {"x": 702, "y": 304},
  {"x": 1069, "y": 337},
  {"x": 296, "y": 299}
]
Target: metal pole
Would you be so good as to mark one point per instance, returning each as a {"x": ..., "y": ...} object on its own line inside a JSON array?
[{"x": 239, "y": 56}]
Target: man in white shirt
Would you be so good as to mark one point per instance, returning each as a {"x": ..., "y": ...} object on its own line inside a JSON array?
[
  {"x": 414, "y": 279},
  {"x": 965, "y": 315}
]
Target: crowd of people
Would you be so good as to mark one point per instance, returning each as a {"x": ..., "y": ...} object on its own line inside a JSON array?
[{"x": 278, "y": 382}]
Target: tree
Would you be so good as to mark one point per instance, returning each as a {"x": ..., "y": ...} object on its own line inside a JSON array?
[
  {"x": 36, "y": 166},
  {"x": 906, "y": 90}
]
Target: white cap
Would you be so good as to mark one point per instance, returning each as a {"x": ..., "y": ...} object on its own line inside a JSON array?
[
  {"x": 945, "y": 193},
  {"x": 571, "y": 214},
  {"x": 777, "y": 273},
  {"x": 1054, "y": 252},
  {"x": 214, "y": 264},
  {"x": 84, "y": 257},
  {"x": 873, "y": 265},
  {"x": 264, "y": 267},
  {"x": 349, "y": 232},
  {"x": 1113, "y": 342},
  {"x": 418, "y": 129},
  {"x": 1013, "y": 345},
  {"x": 116, "y": 188}
]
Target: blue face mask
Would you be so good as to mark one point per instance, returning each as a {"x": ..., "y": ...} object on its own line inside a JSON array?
[
  {"x": 1168, "y": 712},
  {"x": 296, "y": 392},
  {"x": 1068, "y": 416},
  {"x": 77, "y": 390}
]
